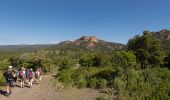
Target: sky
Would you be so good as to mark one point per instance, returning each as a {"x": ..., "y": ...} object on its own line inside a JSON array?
[{"x": 53, "y": 21}]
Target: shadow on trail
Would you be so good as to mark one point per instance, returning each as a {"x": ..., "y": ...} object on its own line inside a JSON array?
[
  {"x": 2, "y": 92},
  {"x": 26, "y": 86}
]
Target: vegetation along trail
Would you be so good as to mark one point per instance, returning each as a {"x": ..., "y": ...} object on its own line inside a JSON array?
[{"x": 46, "y": 91}]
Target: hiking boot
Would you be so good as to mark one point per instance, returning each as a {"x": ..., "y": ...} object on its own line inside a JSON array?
[{"x": 6, "y": 94}]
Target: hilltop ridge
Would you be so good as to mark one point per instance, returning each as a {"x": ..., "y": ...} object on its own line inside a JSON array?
[
  {"x": 163, "y": 34},
  {"x": 164, "y": 37},
  {"x": 90, "y": 43}
]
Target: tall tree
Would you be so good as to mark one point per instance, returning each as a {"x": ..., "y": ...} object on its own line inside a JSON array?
[{"x": 147, "y": 50}]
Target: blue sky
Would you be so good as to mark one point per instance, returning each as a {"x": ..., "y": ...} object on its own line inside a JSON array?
[{"x": 52, "y": 21}]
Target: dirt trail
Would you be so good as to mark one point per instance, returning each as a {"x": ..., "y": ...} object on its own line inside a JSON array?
[{"x": 46, "y": 91}]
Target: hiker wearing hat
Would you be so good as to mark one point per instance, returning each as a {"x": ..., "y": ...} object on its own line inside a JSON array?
[
  {"x": 14, "y": 72},
  {"x": 30, "y": 77},
  {"x": 8, "y": 74},
  {"x": 38, "y": 75},
  {"x": 21, "y": 75}
]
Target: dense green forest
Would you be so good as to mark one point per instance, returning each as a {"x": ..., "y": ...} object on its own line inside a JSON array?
[{"x": 139, "y": 71}]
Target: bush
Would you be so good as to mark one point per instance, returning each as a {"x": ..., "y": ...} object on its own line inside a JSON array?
[
  {"x": 92, "y": 71},
  {"x": 2, "y": 79},
  {"x": 79, "y": 77},
  {"x": 151, "y": 83},
  {"x": 102, "y": 83},
  {"x": 65, "y": 76},
  {"x": 82, "y": 84},
  {"x": 102, "y": 60},
  {"x": 66, "y": 62},
  {"x": 92, "y": 83},
  {"x": 86, "y": 59},
  {"x": 100, "y": 98},
  {"x": 107, "y": 73}
]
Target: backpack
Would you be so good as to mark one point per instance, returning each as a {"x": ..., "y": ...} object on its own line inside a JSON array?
[
  {"x": 21, "y": 74},
  {"x": 30, "y": 74},
  {"x": 37, "y": 74},
  {"x": 8, "y": 75}
]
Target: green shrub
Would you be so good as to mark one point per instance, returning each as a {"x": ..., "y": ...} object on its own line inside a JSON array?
[
  {"x": 86, "y": 59},
  {"x": 92, "y": 82},
  {"x": 79, "y": 77},
  {"x": 65, "y": 76},
  {"x": 144, "y": 84},
  {"x": 100, "y": 98},
  {"x": 107, "y": 73},
  {"x": 2, "y": 79},
  {"x": 102, "y": 83},
  {"x": 102, "y": 60},
  {"x": 66, "y": 62},
  {"x": 82, "y": 84},
  {"x": 92, "y": 71}
]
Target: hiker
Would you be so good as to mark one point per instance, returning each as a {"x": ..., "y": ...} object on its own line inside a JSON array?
[
  {"x": 14, "y": 72},
  {"x": 8, "y": 74},
  {"x": 30, "y": 77},
  {"x": 26, "y": 75},
  {"x": 40, "y": 70},
  {"x": 22, "y": 76},
  {"x": 37, "y": 75}
]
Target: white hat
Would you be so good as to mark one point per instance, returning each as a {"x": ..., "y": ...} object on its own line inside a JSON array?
[
  {"x": 31, "y": 69},
  {"x": 22, "y": 68},
  {"x": 10, "y": 67}
]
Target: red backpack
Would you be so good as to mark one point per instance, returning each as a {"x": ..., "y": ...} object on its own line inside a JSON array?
[
  {"x": 21, "y": 74},
  {"x": 30, "y": 75}
]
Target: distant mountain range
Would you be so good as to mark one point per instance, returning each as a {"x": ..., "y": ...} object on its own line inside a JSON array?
[
  {"x": 83, "y": 43},
  {"x": 23, "y": 48},
  {"x": 91, "y": 43}
]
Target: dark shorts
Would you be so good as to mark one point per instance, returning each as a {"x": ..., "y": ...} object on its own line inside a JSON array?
[
  {"x": 15, "y": 79},
  {"x": 9, "y": 82}
]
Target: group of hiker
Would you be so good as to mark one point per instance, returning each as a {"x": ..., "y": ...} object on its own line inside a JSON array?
[{"x": 23, "y": 75}]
